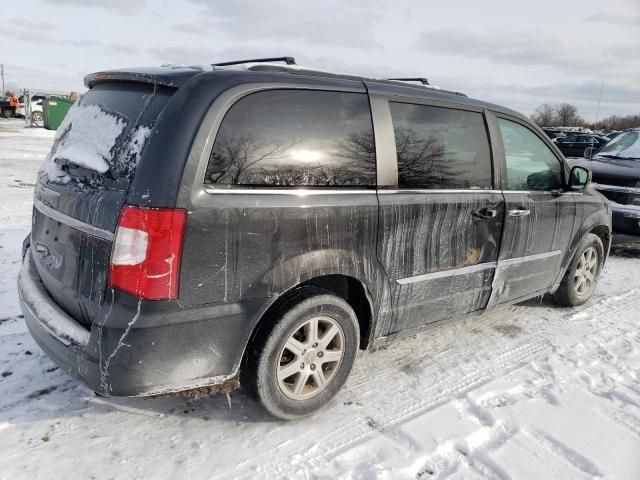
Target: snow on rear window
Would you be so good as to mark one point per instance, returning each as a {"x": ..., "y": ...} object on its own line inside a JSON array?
[
  {"x": 86, "y": 138},
  {"x": 101, "y": 140}
]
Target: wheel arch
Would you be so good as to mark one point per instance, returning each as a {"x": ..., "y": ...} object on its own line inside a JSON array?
[
  {"x": 349, "y": 288},
  {"x": 604, "y": 233}
]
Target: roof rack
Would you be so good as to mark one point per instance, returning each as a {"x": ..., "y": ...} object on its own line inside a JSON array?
[
  {"x": 287, "y": 60},
  {"x": 293, "y": 68},
  {"x": 421, "y": 80}
]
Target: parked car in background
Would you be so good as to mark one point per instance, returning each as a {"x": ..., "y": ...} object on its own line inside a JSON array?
[
  {"x": 284, "y": 221},
  {"x": 575, "y": 144},
  {"x": 553, "y": 133},
  {"x": 6, "y": 109},
  {"x": 616, "y": 174},
  {"x": 36, "y": 107},
  {"x": 612, "y": 135}
]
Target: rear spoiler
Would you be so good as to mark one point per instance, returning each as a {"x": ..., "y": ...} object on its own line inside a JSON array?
[{"x": 162, "y": 76}]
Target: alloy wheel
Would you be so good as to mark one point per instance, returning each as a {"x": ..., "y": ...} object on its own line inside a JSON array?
[
  {"x": 586, "y": 271},
  {"x": 310, "y": 358}
]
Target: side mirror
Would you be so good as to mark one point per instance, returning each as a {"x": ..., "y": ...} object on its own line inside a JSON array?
[
  {"x": 579, "y": 178},
  {"x": 588, "y": 152}
]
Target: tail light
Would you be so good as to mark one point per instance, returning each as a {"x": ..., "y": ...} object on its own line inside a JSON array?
[{"x": 145, "y": 260}]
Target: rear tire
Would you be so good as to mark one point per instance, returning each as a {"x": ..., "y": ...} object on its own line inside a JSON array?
[
  {"x": 303, "y": 355},
  {"x": 36, "y": 116},
  {"x": 7, "y": 112},
  {"x": 581, "y": 278}
]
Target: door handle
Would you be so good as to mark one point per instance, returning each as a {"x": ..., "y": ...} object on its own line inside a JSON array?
[
  {"x": 519, "y": 212},
  {"x": 485, "y": 213}
]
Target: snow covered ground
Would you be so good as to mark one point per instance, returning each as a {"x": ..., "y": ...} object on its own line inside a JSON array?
[{"x": 527, "y": 391}]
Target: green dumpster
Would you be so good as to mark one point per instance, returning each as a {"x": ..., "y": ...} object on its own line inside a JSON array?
[{"x": 54, "y": 109}]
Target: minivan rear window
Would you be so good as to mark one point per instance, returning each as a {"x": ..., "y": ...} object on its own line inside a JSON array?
[
  {"x": 440, "y": 148},
  {"x": 295, "y": 138},
  {"x": 102, "y": 136}
]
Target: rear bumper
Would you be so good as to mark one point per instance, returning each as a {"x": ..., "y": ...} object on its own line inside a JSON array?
[
  {"x": 62, "y": 338},
  {"x": 147, "y": 353}
]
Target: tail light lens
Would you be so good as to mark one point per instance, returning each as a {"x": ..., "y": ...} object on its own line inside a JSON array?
[{"x": 145, "y": 260}]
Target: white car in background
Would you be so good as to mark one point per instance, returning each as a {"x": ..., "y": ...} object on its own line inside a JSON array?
[{"x": 36, "y": 107}]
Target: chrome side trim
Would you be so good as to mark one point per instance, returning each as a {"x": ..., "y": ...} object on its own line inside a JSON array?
[
  {"x": 447, "y": 273},
  {"x": 439, "y": 191},
  {"x": 550, "y": 192},
  {"x": 528, "y": 258},
  {"x": 336, "y": 191},
  {"x": 72, "y": 222},
  {"x": 615, "y": 188},
  {"x": 299, "y": 192}
]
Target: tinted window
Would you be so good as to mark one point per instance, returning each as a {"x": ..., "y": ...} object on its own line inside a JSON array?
[
  {"x": 295, "y": 138},
  {"x": 440, "y": 147},
  {"x": 531, "y": 165}
]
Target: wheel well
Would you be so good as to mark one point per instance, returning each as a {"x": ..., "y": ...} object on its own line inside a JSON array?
[
  {"x": 603, "y": 232},
  {"x": 354, "y": 293},
  {"x": 343, "y": 286}
]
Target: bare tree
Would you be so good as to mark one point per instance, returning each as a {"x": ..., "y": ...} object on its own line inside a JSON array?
[
  {"x": 567, "y": 115},
  {"x": 234, "y": 157},
  {"x": 617, "y": 122},
  {"x": 545, "y": 115}
]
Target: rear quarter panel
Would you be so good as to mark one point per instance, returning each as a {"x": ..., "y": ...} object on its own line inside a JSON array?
[{"x": 592, "y": 210}]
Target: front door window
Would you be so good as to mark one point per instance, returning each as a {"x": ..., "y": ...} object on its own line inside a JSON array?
[{"x": 531, "y": 165}]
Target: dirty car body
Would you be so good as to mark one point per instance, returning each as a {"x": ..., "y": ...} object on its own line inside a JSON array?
[{"x": 351, "y": 214}]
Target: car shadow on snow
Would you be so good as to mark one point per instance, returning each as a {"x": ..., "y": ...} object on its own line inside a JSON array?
[
  {"x": 41, "y": 391},
  {"x": 34, "y": 388}
]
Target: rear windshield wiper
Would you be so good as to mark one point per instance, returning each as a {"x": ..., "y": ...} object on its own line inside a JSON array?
[{"x": 68, "y": 164}]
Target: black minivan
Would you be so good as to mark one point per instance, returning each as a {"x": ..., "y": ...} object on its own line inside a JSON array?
[{"x": 199, "y": 229}]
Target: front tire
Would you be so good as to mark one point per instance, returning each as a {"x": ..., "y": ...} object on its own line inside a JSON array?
[
  {"x": 36, "y": 116},
  {"x": 304, "y": 355},
  {"x": 581, "y": 278}
]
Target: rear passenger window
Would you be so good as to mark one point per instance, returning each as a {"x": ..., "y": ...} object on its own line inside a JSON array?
[
  {"x": 440, "y": 148},
  {"x": 531, "y": 165},
  {"x": 295, "y": 138}
]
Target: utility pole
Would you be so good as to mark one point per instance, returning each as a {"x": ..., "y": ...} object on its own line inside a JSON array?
[
  {"x": 2, "y": 73},
  {"x": 599, "y": 100}
]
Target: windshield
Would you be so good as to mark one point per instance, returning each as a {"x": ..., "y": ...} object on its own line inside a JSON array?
[{"x": 625, "y": 145}]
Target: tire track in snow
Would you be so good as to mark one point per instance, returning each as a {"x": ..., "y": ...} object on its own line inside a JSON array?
[
  {"x": 512, "y": 357},
  {"x": 563, "y": 451}
]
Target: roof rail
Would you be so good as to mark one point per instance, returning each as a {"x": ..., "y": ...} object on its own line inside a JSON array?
[
  {"x": 422, "y": 80},
  {"x": 287, "y": 60}
]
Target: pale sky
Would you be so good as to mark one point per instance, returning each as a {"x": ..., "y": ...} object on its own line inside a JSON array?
[{"x": 515, "y": 53}]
